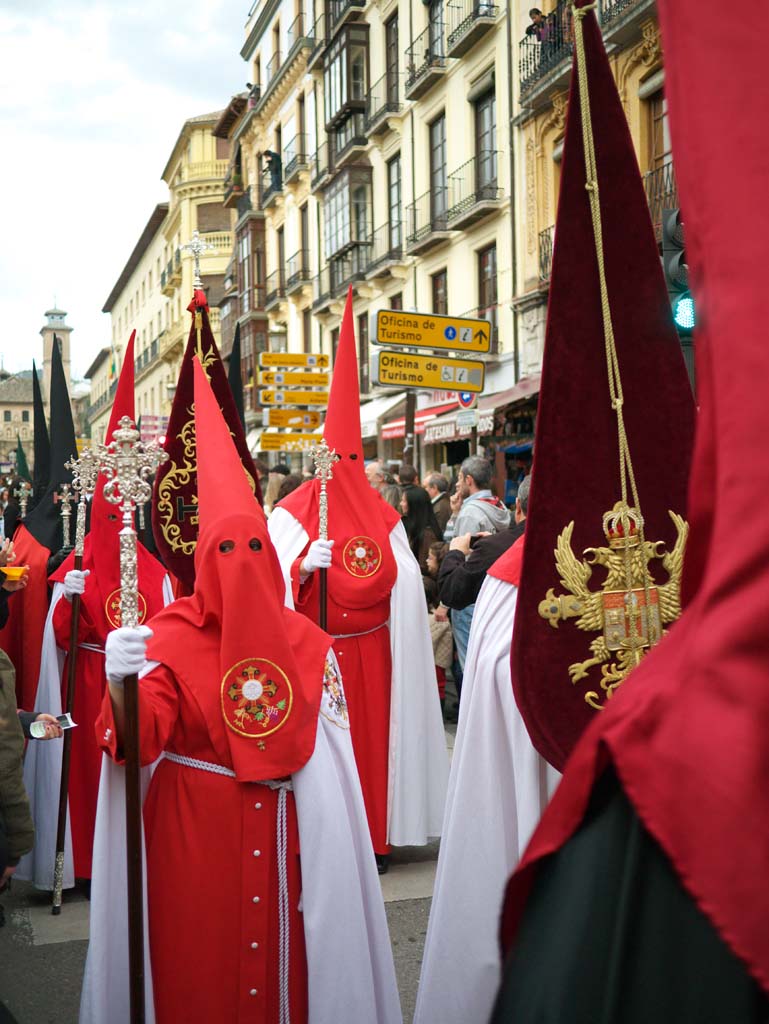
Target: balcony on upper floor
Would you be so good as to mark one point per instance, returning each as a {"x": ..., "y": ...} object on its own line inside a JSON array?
[
  {"x": 349, "y": 141},
  {"x": 322, "y": 167},
  {"x": 274, "y": 288},
  {"x": 474, "y": 191},
  {"x": 428, "y": 221},
  {"x": 272, "y": 183},
  {"x": 661, "y": 194},
  {"x": 468, "y": 21},
  {"x": 383, "y": 101},
  {"x": 299, "y": 36},
  {"x": 340, "y": 11},
  {"x": 347, "y": 268},
  {"x": 295, "y": 158},
  {"x": 319, "y": 41},
  {"x": 321, "y": 291},
  {"x": 546, "y": 240},
  {"x": 175, "y": 266},
  {"x": 620, "y": 18},
  {"x": 426, "y": 61},
  {"x": 297, "y": 271},
  {"x": 386, "y": 250},
  {"x": 203, "y": 169},
  {"x": 545, "y": 53},
  {"x": 233, "y": 189}
]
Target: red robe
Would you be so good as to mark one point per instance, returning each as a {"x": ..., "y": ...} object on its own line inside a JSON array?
[
  {"x": 22, "y": 636},
  {"x": 211, "y": 945}
]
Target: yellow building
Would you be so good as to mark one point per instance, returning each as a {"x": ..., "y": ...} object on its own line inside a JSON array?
[{"x": 632, "y": 39}]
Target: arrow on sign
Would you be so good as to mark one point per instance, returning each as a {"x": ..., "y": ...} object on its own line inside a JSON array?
[{"x": 481, "y": 336}]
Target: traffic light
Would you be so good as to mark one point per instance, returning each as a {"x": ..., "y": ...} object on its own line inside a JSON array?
[{"x": 677, "y": 272}]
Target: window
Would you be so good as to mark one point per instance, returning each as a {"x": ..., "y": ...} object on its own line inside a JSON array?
[
  {"x": 438, "y": 190},
  {"x": 25, "y": 415},
  {"x": 487, "y": 287},
  {"x": 347, "y": 212},
  {"x": 486, "y": 140},
  {"x": 396, "y": 301},
  {"x": 660, "y": 149},
  {"x": 346, "y": 74},
  {"x": 440, "y": 292},
  {"x": 394, "y": 201},
  {"x": 6, "y": 415},
  {"x": 363, "y": 358},
  {"x": 244, "y": 272},
  {"x": 222, "y": 149},
  {"x": 307, "y": 331},
  {"x": 436, "y": 23},
  {"x": 391, "y": 58},
  {"x": 334, "y": 344},
  {"x": 281, "y": 256}
]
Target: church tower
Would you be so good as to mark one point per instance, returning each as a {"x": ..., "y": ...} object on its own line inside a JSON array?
[{"x": 56, "y": 324}]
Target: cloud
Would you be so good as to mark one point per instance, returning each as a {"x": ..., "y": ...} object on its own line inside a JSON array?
[{"x": 92, "y": 98}]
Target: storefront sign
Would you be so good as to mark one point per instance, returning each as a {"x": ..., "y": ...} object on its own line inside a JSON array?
[
  {"x": 407, "y": 370},
  {"x": 428, "y": 330}
]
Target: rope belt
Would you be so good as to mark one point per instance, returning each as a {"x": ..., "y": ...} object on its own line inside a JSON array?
[
  {"x": 91, "y": 647},
  {"x": 281, "y": 840},
  {"x": 349, "y": 636}
]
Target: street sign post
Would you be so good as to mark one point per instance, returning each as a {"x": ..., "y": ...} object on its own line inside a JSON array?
[
  {"x": 297, "y": 418},
  {"x": 429, "y": 330},
  {"x": 285, "y": 359},
  {"x": 279, "y": 378},
  {"x": 287, "y": 442},
  {"x": 409, "y": 370},
  {"x": 292, "y": 396}
]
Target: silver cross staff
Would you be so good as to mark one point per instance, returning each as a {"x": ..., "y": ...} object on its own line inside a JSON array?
[
  {"x": 128, "y": 464},
  {"x": 324, "y": 458},
  {"x": 65, "y": 497},
  {"x": 197, "y": 246},
  {"x": 84, "y": 471},
  {"x": 22, "y": 493}
]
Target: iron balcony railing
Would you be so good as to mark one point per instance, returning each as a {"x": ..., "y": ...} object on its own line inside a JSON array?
[
  {"x": 272, "y": 186},
  {"x": 321, "y": 288},
  {"x": 610, "y": 10},
  {"x": 661, "y": 194},
  {"x": 322, "y": 165},
  {"x": 296, "y": 33},
  {"x": 273, "y": 67},
  {"x": 546, "y": 253},
  {"x": 295, "y": 156},
  {"x": 274, "y": 287},
  {"x": 352, "y": 135},
  {"x": 473, "y": 183},
  {"x": 383, "y": 99},
  {"x": 385, "y": 245},
  {"x": 319, "y": 36},
  {"x": 549, "y": 44},
  {"x": 427, "y": 52},
  {"x": 428, "y": 214},
  {"x": 463, "y": 14},
  {"x": 349, "y": 267},
  {"x": 297, "y": 268},
  {"x": 337, "y": 9}
]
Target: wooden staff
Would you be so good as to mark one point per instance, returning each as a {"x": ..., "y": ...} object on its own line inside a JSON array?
[
  {"x": 128, "y": 464},
  {"x": 325, "y": 458},
  {"x": 83, "y": 476}
]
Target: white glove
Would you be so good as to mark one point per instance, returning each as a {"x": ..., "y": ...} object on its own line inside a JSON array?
[
  {"x": 318, "y": 557},
  {"x": 125, "y": 652},
  {"x": 74, "y": 582}
]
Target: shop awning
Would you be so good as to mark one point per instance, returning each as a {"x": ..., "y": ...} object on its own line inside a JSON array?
[
  {"x": 397, "y": 428},
  {"x": 372, "y": 412},
  {"x": 525, "y": 387}
]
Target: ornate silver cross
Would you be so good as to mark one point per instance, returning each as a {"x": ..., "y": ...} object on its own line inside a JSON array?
[
  {"x": 84, "y": 471},
  {"x": 197, "y": 246},
  {"x": 324, "y": 458}
]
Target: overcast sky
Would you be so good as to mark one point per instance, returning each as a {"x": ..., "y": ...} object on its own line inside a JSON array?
[{"x": 92, "y": 98}]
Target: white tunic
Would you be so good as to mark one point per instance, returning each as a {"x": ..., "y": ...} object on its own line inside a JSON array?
[{"x": 498, "y": 788}]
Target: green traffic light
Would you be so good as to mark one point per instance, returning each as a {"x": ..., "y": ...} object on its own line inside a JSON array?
[{"x": 684, "y": 312}]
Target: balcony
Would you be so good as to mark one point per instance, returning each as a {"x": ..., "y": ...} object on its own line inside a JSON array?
[
  {"x": 385, "y": 250},
  {"x": 620, "y": 18},
  {"x": 201, "y": 170},
  {"x": 468, "y": 22},
  {"x": 382, "y": 102},
  {"x": 322, "y": 167},
  {"x": 172, "y": 341},
  {"x": 298, "y": 37},
  {"x": 349, "y": 141},
  {"x": 274, "y": 288},
  {"x": 272, "y": 188},
  {"x": 474, "y": 192},
  {"x": 427, "y": 62},
  {"x": 661, "y": 194},
  {"x": 428, "y": 221},
  {"x": 165, "y": 287},
  {"x": 340, "y": 11},
  {"x": 273, "y": 67},
  {"x": 297, "y": 271},
  {"x": 348, "y": 268},
  {"x": 233, "y": 189},
  {"x": 540, "y": 54},
  {"x": 175, "y": 268},
  {"x": 321, "y": 291},
  {"x": 546, "y": 239},
  {"x": 295, "y": 159},
  {"x": 319, "y": 41}
]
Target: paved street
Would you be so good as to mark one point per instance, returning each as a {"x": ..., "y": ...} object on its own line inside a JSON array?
[{"x": 42, "y": 957}]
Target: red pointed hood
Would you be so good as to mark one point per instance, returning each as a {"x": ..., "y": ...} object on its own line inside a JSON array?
[
  {"x": 358, "y": 519},
  {"x": 255, "y": 666},
  {"x": 101, "y": 552}
]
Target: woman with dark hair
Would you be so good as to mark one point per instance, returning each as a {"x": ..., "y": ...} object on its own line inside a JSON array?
[{"x": 419, "y": 521}]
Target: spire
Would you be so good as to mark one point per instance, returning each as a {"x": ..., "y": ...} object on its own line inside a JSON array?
[
  {"x": 42, "y": 445},
  {"x": 342, "y": 428}
]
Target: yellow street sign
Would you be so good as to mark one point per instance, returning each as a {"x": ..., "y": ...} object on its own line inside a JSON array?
[
  {"x": 406, "y": 370},
  {"x": 293, "y": 359},
  {"x": 291, "y": 418},
  {"x": 287, "y": 442},
  {"x": 292, "y": 397},
  {"x": 287, "y": 380},
  {"x": 428, "y": 330}
]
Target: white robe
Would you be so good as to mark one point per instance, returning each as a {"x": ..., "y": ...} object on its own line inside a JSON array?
[
  {"x": 42, "y": 764},
  {"x": 351, "y": 976},
  {"x": 418, "y": 765},
  {"x": 498, "y": 788}
]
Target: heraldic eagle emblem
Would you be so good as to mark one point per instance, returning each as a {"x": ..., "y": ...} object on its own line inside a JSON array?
[{"x": 631, "y": 609}]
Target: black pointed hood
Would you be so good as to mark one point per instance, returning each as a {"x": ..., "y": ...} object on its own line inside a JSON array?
[
  {"x": 41, "y": 471},
  {"x": 235, "y": 377},
  {"x": 44, "y": 522}
]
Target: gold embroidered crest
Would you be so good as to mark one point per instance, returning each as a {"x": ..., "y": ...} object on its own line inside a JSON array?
[{"x": 630, "y": 610}]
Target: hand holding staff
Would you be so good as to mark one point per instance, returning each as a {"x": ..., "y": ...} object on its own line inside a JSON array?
[{"x": 128, "y": 464}]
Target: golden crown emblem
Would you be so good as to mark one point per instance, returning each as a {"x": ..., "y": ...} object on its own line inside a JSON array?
[{"x": 617, "y": 533}]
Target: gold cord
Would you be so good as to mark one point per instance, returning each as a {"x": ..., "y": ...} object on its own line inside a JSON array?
[{"x": 627, "y": 476}]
